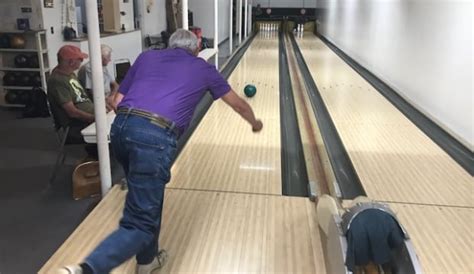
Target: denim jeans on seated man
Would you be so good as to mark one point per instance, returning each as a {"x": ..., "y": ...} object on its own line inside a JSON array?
[{"x": 145, "y": 150}]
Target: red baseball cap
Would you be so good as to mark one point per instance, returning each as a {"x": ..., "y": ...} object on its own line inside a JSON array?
[{"x": 69, "y": 52}]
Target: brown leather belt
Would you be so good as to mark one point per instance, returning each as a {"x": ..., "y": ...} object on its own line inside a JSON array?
[{"x": 154, "y": 118}]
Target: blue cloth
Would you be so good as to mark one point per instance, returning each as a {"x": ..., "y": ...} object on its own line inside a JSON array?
[
  {"x": 372, "y": 236},
  {"x": 145, "y": 151}
]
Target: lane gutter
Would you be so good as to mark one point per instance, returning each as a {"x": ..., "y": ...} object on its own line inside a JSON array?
[
  {"x": 309, "y": 128},
  {"x": 346, "y": 177},
  {"x": 294, "y": 173}
]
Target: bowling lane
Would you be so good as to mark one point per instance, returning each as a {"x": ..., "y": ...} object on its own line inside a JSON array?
[
  {"x": 442, "y": 236},
  {"x": 395, "y": 161},
  {"x": 223, "y": 154},
  {"x": 213, "y": 232},
  {"x": 209, "y": 225}
]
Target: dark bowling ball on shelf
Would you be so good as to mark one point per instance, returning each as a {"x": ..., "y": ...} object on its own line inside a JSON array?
[
  {"x": 24, "y": 80},
  {"x": 35, "y": 79},
  {"x": 21, "y": 61},
  {"x": 33, "y": 61},
  {"x": 17, "y": 41},
  {"x": 250, "y": 90},
  {"x": 9, "y": 79},
  {"x": 18, "y": 80},
  {"x": 12, "y": 97},
  {"x": 4, "y": 41}
]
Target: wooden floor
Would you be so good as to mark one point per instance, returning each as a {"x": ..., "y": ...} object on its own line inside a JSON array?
[
  {"x": 223, "y": 153},
  {"x": 393, "y": 158},
  {"x": 223, "y": 210},
  {"x": 208, "y": 231},
  {"x": 398, "y": 163},
  {"x": 442, "y": 236}
]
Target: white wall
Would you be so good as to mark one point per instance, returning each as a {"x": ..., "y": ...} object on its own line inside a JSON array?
[
  {"x": 54, "y": 38},
  {"x": 422, "y": 49},
  {"x": 203, "y": 17},
  {"x": 10, "y": 11},
  {"x": 223, "y": 19},
  {"x": 153, "y": 22},
  {"x": 286, "y": 3},
  {"x": 125, "y": 46},
  {"x": 127, "y": 19}
]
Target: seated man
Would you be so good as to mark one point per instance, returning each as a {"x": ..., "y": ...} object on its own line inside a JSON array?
[
  {"x": 110, "y": 85},
  {"x": 70, "y": 104},
  {"x": 68, "y": 100}
]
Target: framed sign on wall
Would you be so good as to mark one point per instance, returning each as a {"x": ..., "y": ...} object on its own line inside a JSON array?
[{"x": 49, "y": 3}]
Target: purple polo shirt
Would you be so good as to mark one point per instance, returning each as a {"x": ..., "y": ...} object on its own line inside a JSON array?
[{"x": 170, "y": 83}]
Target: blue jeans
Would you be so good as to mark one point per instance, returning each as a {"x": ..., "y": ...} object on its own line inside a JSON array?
[{"x": 145, "y": 150}]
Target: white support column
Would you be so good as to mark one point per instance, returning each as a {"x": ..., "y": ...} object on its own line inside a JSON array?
[
  {"x": 41, "y": 59},
  {"x": 239, "y": 10},
  {"x": 231, "y": 42},
  {"x": 99, "y": 99},
  {"x": 216, "y": 33},
  {"x": 249, "y": 29},
  {"x": 184, "y": 6},
  {"x": 246, "y": 18}
]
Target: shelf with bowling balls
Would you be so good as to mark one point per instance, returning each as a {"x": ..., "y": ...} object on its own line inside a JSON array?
[
  {"x": 22, "y": 50},
  {"x": 13, "y": 41},
  {"x": 22, "y": 62},
  {"x": 18, "y": 87},
  {"x": 15, "y": 79},
  {"x": 22, "y": 70},
  {"x": 17, "y": 98},
  {"x": 25, "y": 74}
]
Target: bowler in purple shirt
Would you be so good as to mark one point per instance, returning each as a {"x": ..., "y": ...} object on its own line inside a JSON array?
[
  {"x": 170, "y": 83},
  {"x": 156, "y": 101}
]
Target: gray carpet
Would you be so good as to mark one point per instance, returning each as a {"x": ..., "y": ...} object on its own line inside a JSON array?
[{"x": 36, "y": 218}]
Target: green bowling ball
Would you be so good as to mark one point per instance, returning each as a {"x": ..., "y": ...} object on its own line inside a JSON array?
[{"x": 250, "y": 90}]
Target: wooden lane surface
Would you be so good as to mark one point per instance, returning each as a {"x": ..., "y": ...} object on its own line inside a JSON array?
[
  {"x": 206, "y": 231},
  {"x": 223, "y": 154},
  {"x": 395, "y": 160},
  {"x": 442, "y": 236},
  {"x": 220, "y": 232}
]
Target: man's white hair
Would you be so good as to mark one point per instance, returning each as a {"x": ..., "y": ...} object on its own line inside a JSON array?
[
  {"x": 105, "y": 50},
  {"x": 184, "y": 39}
]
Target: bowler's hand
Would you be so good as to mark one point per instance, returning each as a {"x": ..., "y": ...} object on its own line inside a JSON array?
[
  {"x": 109, "y": 103},
  {"x": 257, "y": 126}
]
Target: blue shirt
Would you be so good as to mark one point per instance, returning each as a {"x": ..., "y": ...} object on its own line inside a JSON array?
[{"x": 170, "y": 83}]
